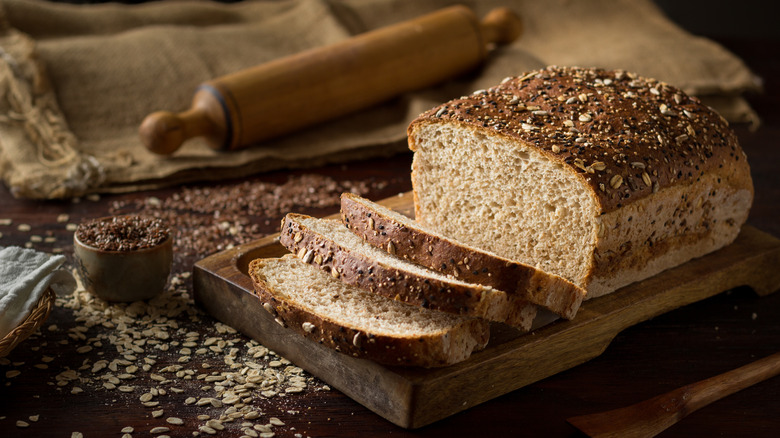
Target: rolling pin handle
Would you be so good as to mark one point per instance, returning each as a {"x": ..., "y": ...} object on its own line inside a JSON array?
[
  {"x": 164, "y": 132},
  {"x": 501, "y": 26}
]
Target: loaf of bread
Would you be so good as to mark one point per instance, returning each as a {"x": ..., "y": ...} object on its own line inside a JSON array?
[
  {"x": 330, "y": 246},
  {"x": 406, "y": 238},
  {"x": 360, "y": 323},
  {"x": 602, "y": 177}
]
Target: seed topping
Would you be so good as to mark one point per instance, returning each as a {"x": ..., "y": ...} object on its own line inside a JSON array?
[{"x": 634, "y": 125}]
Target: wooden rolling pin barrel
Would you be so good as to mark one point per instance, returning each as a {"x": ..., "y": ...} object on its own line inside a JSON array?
[{"x": 281, "y": 96}]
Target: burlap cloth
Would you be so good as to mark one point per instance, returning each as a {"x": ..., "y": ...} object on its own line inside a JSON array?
[{"x": 76, "y": 81}]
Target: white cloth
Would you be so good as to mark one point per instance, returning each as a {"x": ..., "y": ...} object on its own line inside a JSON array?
[{"x": 24, "y": 276}]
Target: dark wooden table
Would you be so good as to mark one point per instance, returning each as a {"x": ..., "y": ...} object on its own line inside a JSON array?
[{"x": 680, "y": 347}]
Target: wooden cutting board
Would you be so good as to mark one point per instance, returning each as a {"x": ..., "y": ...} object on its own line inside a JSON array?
[{"x": 414, "y": 397}]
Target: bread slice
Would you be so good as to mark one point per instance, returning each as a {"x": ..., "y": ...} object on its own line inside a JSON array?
[
  {"x": 602, "y": 177},
  {"x": 406, "y": 238},
  {"x": 331, "y": 246},
  {"x": 359, "y": 323}
]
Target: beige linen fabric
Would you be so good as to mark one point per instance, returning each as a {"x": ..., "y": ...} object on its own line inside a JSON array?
[{"x": 77, "y": 80}]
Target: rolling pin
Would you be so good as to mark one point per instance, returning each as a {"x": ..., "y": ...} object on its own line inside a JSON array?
[{"x": 278, "y": 97}]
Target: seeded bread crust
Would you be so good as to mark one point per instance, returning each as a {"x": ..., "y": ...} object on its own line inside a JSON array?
[
  {"x": 634, "y": 135},
  {"x": 406, "y": 238},
  {"x": 399, "y": 283},
  {"x": 666, "y": 173},
  {"x": 443, "y": 348}
]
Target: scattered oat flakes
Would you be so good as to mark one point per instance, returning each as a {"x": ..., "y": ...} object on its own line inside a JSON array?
[
  {"x": 215, "y": 424},
  {"x": 208, "y": 430}
]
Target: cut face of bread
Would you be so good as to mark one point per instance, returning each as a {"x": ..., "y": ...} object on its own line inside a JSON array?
[
  {"x": 540, "y": 213},
  {"x": 420, "y": 244},
  {"x": 360, "y": 323}
]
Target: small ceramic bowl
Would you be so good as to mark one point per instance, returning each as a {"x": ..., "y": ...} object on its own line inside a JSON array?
[{"x": 125, "y": 274}]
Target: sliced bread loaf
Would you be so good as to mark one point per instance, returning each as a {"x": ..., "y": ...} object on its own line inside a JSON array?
[
  {"x": 360, "y": 323},
  {"x": 406, "y": 238},
  {"x": 331, "y": 246},
  {"x": 601, "y": 177}
]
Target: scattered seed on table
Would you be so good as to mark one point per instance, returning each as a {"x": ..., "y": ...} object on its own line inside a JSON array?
[
  {"x": 208, "y": 430},
  {"x": 215, "y": 424}
]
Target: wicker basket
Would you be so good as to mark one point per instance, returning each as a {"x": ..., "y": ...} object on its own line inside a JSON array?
[{"x": 34, "y": 320}]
